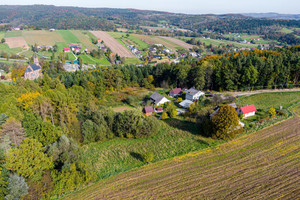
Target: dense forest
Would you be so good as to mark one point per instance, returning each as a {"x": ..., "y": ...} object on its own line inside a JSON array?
[
  {"x": 45, "y": 122},
  {"x": 42, "y": 16}
]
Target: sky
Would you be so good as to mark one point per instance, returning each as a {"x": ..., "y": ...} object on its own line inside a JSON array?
[{"x": 179, "y": 6}]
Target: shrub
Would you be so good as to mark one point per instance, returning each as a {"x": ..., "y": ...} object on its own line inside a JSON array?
[
  {"x": 179, "y": 100},
  {"x": 241, "y": 116},
  {"x": 164, "y": 116},
  {"x": 173, "y": 113},
  {"x": 148, "y": 157},
  {"x": 282, "y": 113},
  {"x": 272, "y": 112}
]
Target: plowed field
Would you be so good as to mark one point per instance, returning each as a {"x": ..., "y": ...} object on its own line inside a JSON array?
[
  {"x": 16, "y": 42},
  {"x": 179, "y": 42}
]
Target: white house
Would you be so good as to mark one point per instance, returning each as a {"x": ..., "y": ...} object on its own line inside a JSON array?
[
  {"x": 247, "y": 111},
  {"x": 193, "y": 94},
  {"x": 185, "y": 103},
  {"x": 158, "y": 99}
]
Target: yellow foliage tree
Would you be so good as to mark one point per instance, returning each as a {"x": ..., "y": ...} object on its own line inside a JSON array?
[
  {"x": 272, "y": 112},
  {"x": 27, "y": 99}
]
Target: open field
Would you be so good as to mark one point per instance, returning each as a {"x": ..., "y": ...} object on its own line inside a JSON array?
[
  {"x": 4, "y": 48},
  {"x": 90, "y": 60},
  {"x": 42, "y": 37},
  {"x": 261, "y": 165},
  {"x": 131, "y": 40},
  {"x": 122, "y": 108},
  {"x": 84, "y": 40},
  {"x": 16, "y": 42},
  {"x": 179, "y": 42},
  {"x": 68, "y": 36},
  {"x": 14, "y": 34},
  {"x": 285, "y": 30},
  {"x": 113, "y": 44},
  {"x": 156, "y": 40},
  {"x": 267, "y": 100}
]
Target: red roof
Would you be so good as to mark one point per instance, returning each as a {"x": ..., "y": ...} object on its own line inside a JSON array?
[
  {"x": 67, "y": 49},
  {"x": 149, "y": 109},
  {"x": 176, "y": 91},
  {"x": 248, "y": 109}
]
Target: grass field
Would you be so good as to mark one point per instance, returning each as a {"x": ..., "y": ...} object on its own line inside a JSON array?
[
  {"x": 286, "y": 30},
  {"x": 42, "y": 37},
  {"x": 90, "y": 60},
  {"x": 262, "y": 165},
  {"x": 151, "y": 40},
  {"x": 68, "y": 36},
  {"x": 267, "y": 100},
  {"x": 5, "y": 48},
  {"x": 131, "y": 40},
  {"x": 14, "y": 34},
  {"x": 132, "y": 61},
  {"x": 84, "y": 40}
]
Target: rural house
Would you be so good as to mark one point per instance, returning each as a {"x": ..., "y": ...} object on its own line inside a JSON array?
[
  {"x": 174, "y": 92},
  {"x": 158, "y": 99},
  {"x": 33, "y": 71},
  {"x": 185, "y": 103},
  {"x": 148, "y": 110},
  {"x": 247, "y": 111},
  {"x": 67, "y": 50},
  {"x": 193, "y": 94}
]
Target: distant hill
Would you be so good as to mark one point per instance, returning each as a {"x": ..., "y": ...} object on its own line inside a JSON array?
[{"x": 272, "y": 15}]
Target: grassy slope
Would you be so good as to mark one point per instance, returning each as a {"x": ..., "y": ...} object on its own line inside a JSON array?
[
  {"x": 88, "y": 59},
  {"x": 267, "y": 100},
  {"x": 68, "y": 36},
  {"x": 137, "y": 42},
  {"x": 112, "y": 157},
  {"x": 84, "y": 39},
  {"x": 13, "y": 34},
  {"x": 262, "y": 165}
]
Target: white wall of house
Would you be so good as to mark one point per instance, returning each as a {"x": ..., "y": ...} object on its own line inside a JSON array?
[
  {"x": 163, "y": 101},
  {"x": 195, "y": 97},
  {"x": 249, "y": 114}
]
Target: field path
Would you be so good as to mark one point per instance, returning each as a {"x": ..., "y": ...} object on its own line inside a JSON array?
[
  {"x": 261, "y": 165},
  {"x": 179, "y": 42},
  {"x": 248, "y": 93},
  {"x": 113, "y": 44}
]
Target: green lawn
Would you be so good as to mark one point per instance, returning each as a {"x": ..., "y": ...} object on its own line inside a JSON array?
[
  {"x": 2, "y": 35},
  {"x": 132, "y": 61},
  {"x": 68, "y": 36},
  {"x": 90, "y": 60},
  {"x": 13, "y": 34},
  {"x": 266, "y": 100},
  {"x": 61, "y": 46},
  {"x": 5, "y": 48},
  {"x": 112, "y": 157},
  {"x": 286, "y": 30}
]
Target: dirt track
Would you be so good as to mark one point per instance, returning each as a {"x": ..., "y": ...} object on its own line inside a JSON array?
[
  {"x": 113, "y": 44},
  {"x": 262, "y": 165},
  {"x": 245, "y": 93}
]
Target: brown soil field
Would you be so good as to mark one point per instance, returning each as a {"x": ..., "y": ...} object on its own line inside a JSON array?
[
  {"x": 15, "y": 42},
  {"x": 179, "y": 42},
  {"x": 42, "y": 37},
  {"x": 156, "y": 40},
  {"x": 113, "y": 44},
  {"x": 261, "y": 165}
]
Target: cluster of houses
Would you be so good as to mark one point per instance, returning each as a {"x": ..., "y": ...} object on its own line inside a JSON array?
[
  {"x": 76, "y": 48},
  {"x": 45, "y": 47}
]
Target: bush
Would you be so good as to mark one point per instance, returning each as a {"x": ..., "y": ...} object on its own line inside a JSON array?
[
  {"x": 164, "y": 116},
  {"x": 173, "y": 113},
  {"x": 241, "y": 116},
  {"x": 282, "y": 113},
  {"x": 148, "y": 157},
  {"x": 272, "y": 112}
]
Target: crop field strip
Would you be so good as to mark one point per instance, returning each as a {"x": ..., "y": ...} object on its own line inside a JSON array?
[
  {"x": 84, "y": 39},
  {"x": 156, "y": 40},
  {"x": 42, "y": 37},
  {"x": 16, "y": 42},
  {"x": 262, "y": 165},
  {"x": 113, "y": 44},
  {"x": 179, "y": 42}
]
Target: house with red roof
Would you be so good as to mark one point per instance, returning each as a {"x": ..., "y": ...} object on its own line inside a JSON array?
[
  {"x": 174, "y": 92},
  {"x": 67, "y": 50},
  {"x": 248, "y": 111},
  {"x": 148, "y": 110}
]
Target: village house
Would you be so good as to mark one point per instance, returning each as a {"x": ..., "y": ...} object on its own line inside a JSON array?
[
  {"x": 159, "y": 109},
  {"x": 158, "y": 99},
  {"x": 148, "y": 110},
  {"x": 193, "y": 94},
  {"x": 175, "y": 92},
  {"x": 248, "y": 111},
  {"x": 33, "y": 71},
  {"x": 186, "y": 103},
  {"x": 67, "y": 50}
]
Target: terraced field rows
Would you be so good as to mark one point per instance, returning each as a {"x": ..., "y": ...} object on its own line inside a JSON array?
[
  {"x": 179, "y": 42},
  {"x": 262, "y": 165},
  {"x": 157, "y": 40}
]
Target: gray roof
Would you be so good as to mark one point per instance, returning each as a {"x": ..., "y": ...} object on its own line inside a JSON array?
[
  {"x": 233, "y": 105},
  {"x": 193, "y": 91},
  {"x": 34, "y": 67},
  {"x": 156, "y": 97}
]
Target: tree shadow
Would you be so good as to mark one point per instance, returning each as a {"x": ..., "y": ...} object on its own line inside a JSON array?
[
  {"x": 184, "y": 125},
  {"x": 137, "y": 156}
]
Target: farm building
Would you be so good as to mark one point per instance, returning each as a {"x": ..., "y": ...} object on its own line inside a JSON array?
[
  {"x": 174, "y": 92},
  {"x": 194, "y": 94},
  {"x": 185, "y": 103},
  {"x": 148, "y": 110},
  {"x": 67, "y": 50},
  {"x": 248, "y": 111},
  {"x": 158, "y": 99},
  {"x": 33, "y": 71}
]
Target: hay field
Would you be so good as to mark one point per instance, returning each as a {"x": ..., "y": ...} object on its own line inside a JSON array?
[
  {"x": 84, "y": 39},
  {"x": 42, "y": 37},
  {"x": 16, "y": 42},
  {"x": 262, "y": 165},
  {"x": 156, "y": 40},
  {"x": 179, "y": 42},
  {"x": 113, "y": 44}
]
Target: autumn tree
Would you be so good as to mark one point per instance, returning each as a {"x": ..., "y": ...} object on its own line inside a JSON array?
[
  {"x": 17, "y": 187},
  {"x": 272, "y": 112},
  {"x": 225, "y": 123},
  {"x": 13, "y": 131},
  {"x": 28, "y": 159}
]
